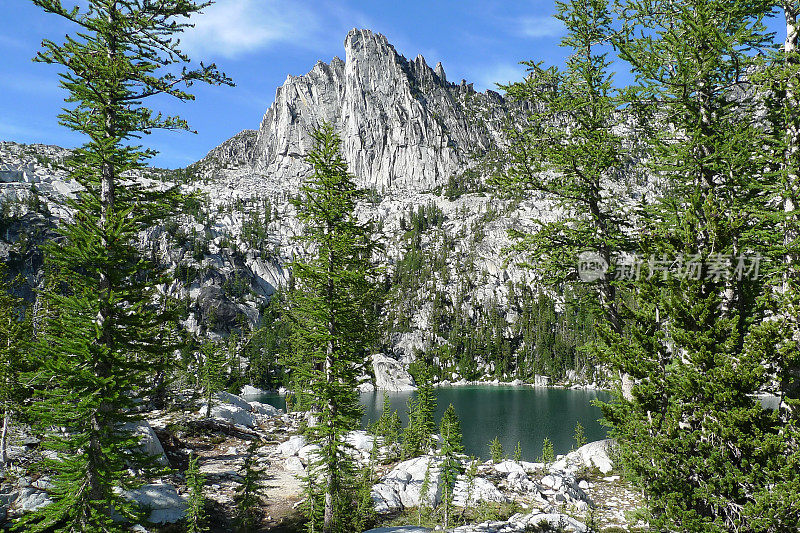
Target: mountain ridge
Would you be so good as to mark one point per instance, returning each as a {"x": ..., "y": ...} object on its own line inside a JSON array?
[
  {"x": 444, "y": 236},
  {"x": 403, "y": 126}
]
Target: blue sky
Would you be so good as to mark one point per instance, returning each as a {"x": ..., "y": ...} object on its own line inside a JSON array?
[{"x": 259, "y": 42}]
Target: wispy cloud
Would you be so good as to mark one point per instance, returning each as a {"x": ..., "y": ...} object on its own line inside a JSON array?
[
  {"x": 10, "y": 42},
  {"x": 489, "y": 77},
  {"x": 38, "y": 132},
  {"x": 539, "y": 27},
  {"x": 231, "y": 28},
  {"x": 31, "y": 84}
]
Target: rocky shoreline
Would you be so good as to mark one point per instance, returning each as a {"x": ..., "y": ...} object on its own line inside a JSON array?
[
  {"x": 577, "y": 490},
  {"x": 392, "y": 376}
]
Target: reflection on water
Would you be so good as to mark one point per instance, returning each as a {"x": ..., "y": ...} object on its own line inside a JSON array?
[{"x": 513, "y": 414}]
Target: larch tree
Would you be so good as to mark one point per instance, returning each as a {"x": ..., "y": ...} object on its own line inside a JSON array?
[
  {"x": 451, "y": 451},
  {"x": 212, "y": 372},
  {"x": 567, "y": 150},
  {"x": 195, "y": 519},
  {"x": 333, "y": 326},
  {"x": 777, "y": 338},
  {"x": 707, "y": 454},
  {"x": 779, "y": 84},
  {"x": 15, "y": 341},
  {"x": 790, "y": 189},
  {"x": 249, "y": 492},
  {"x": 106, "y": 321},
  {"x": 418, "y": 436}
]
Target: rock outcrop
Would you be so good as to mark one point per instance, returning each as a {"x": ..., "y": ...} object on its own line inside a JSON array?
[
  {"x": 166, "y": 506},
  {"x": 592, "y": 455},
  {"x": 391, "y": 375},
  {"x": 403, "y": 125},
  {"x": 405, "y": 129},
  {"x": 148, "y": 441},
  {"x": 402, "y": 487},
  {"x": 236, "y": 410}
]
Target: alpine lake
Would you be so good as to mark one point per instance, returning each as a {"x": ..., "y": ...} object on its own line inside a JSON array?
[{"x": 513, "y": 414}]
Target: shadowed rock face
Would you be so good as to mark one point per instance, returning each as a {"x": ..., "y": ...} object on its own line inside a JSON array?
[
  {"x": 403, "y": 126},
  {"x": 390, "y": 374}
]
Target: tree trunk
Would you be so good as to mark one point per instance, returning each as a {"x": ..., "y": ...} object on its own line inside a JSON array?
[
  {"x": 792, "y": 162},
  {"x": 330, "y": 482},
  {"x": 790, "y": 48},
  {"x": 446, "y": 507},
  {"x": 96, "y": 483},
  {"x": 4, "y": 439},
  {"x": 94, "y": 450}
]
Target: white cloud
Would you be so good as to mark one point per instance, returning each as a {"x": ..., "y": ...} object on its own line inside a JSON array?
[
  {"x": 231, "y": 28},
  {"x": 487, "y": 78},
  {"x": 537, "y": 27}
]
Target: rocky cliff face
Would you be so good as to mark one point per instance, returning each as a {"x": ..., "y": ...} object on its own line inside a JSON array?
[
  {"x": 213, "y": 276},
  {"x": 405, "y": 132},
  {"x": 403, "y": 125}
]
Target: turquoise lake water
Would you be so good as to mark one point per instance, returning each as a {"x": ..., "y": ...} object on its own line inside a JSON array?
[{"x": 514, "y": 414}]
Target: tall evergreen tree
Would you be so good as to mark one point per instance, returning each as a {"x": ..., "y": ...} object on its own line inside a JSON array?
[
  {"x": 776, "y": 339},
  {"x": 707, "y": 454},
  {"x": 106, "y": 328},
  {"x": 782, "y": 83},
  {"x": 333, "y": 326},
  {"x": 387, "y": 428},
  {"x": 496, "y": 451},
  {"x": 779, "y": 88},
  {"x": 249, "y": 492},
  {"x": 418, "y": 435},
  {"x": 196, "y": 501},
  {"x": 15, "y": 339},
  {"x": 568, "y": 151},
  {"x": 452, "y": 449},
  {"x": 212, "y": 372}
]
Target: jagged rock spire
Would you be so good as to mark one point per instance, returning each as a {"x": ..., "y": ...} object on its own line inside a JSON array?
[
  {"x": 439, "y": 71},
  {"x": 402, "y": 125}
]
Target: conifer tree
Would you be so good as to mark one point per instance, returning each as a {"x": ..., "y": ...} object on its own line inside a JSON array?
[
  {"x": 333, "y": 326},
  {"x": 469, "y": 482},
  {"x": 15, "y": 339},
  {"x": 569, "y": 152},
  {"x": 425, "y": 500},
  {"x": 364, "y": 508},
  {"x": 388, "y": 427},
  {"x": 196, "y": 502},
  {"x": 106, "y": 328},
  {"x": 418, "y": 435},
  {"x": 706, "y": 453},
  {"x": 496, "y": 450},
  {"x": 212, "y": 372},
  {"x": 518, "y": 452},
  {"x": 778, "y": 339},
  {"x": 579, "y": 435},
  {"x": 452, "y": 449},
  {"x": 548, "y": 454},
  {"x": 249, "y": 492}
]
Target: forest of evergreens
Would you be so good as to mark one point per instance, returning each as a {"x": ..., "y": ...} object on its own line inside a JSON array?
[{"x": 709, "y": 130}]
